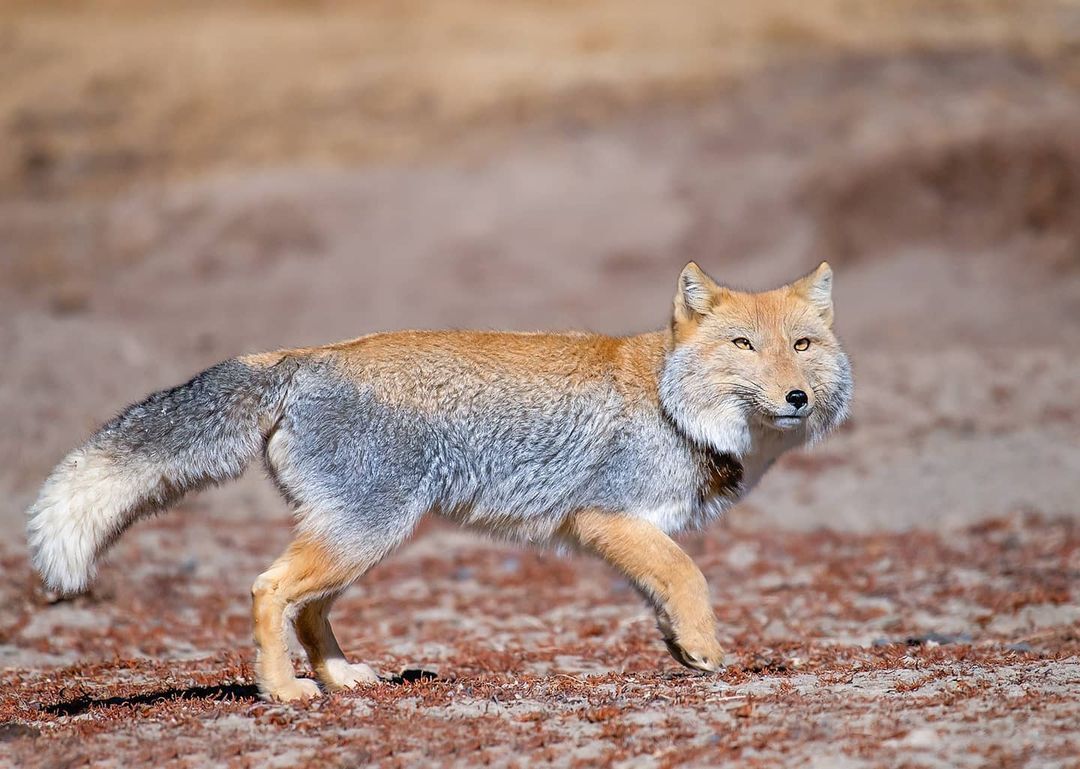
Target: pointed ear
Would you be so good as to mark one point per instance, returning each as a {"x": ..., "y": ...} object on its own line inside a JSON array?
[
  {"x": 816, "y": 288},
  {"x": 697, "y": 293}
]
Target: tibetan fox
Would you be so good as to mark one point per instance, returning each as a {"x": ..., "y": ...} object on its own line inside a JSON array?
[{"x": 606, "y": 445}]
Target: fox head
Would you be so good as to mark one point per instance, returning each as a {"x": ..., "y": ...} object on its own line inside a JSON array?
[{"x": 746, "y": 367}]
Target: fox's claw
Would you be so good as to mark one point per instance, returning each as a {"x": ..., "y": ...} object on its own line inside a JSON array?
[
  {"x": 707, "y": 661},
  {"x": 696, "y": 648},
  {"x": 698, "y": 652}
]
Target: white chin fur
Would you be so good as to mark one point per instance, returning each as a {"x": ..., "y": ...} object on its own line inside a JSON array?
[{"x": 724, "y": 431}]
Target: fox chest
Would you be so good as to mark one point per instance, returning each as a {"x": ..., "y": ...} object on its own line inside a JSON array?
[{"x": 715, "y": 483}]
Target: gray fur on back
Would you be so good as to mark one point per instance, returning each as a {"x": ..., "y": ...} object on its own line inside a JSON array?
[{"x": 365, "y": 456}]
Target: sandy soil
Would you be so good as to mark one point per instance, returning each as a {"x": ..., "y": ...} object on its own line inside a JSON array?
[
  {"x": 844, "y": 650},
  {"x": 906, "y": 594}
]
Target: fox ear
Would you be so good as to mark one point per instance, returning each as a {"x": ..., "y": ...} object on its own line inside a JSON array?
[
  {"x": 816, "y": 288},
  {"x": 697, "y": 294}
]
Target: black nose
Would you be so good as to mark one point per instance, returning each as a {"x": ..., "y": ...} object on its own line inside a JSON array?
[{"x": 797, "y": 398}]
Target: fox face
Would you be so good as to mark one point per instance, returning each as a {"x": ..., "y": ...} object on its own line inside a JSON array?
[{"x": 752, "y": 367}]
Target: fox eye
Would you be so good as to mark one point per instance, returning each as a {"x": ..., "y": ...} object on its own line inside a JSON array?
[
  {"x": 802, "y": 345},
  {"x": 742, "y": 343}
]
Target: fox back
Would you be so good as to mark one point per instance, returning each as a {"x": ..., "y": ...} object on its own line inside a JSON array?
[{"x": 509, "y": 433}]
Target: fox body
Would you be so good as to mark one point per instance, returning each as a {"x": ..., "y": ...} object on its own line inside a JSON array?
[{"x": 608, "y": 445}]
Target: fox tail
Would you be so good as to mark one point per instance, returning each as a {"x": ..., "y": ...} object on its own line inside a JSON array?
[{"x": 178, "y": 440}]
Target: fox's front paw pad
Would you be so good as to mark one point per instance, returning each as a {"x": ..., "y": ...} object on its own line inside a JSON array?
[
  {"x": 342, "y": 675},
  {"x": 298, "y": 689},
  {"x": 703, "y": 654}
]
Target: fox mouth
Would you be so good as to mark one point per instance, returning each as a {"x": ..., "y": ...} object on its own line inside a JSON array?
[{"x": 785, "y": 421}]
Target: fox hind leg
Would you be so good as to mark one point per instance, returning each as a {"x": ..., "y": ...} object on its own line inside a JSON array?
[
  {"x": 307, "y": 573},
  {"x": 328, "y": 661}
]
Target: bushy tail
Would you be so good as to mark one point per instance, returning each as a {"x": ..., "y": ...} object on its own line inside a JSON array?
[{"x": 178, "y": 440}]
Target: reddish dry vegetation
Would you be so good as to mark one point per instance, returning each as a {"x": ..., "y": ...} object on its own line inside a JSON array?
[{"x": 908, "y": 649}]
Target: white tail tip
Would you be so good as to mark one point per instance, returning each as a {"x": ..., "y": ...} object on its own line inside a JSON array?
[{"x": 84, "y": 503}]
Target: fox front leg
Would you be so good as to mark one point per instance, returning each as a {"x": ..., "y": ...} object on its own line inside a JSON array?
[{"x": 664, "y": 574}]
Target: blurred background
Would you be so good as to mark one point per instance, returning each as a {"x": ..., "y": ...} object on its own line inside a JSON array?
[{"x": 183, "y": 182}]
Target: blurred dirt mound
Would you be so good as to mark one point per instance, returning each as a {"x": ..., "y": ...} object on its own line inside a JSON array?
[
  {"x": 965, "y": 192},
  {"x": 102, "y": 94},
  {"x": 942, "y": 187}
]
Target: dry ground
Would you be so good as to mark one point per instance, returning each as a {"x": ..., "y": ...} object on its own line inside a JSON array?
[
  {"x": 844, "y": 650},
  {"x": 178, "y": 186}
]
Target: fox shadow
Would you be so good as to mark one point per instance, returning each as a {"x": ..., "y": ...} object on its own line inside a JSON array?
[
  {"x": 223, "y": 692},
  {"x": 226, "y": 692}
]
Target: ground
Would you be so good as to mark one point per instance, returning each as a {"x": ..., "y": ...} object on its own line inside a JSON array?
[
  {"x": 177, "y": 189},
  {"x": 950, "y": 651}
]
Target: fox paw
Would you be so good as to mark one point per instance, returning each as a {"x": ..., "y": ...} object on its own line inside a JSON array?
[
  {"x": 707, "y": 659},
  {"x": 697, "y": 651},
  {"x": 297, "y": 689},
  {"x": 341, "y": 675}
]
